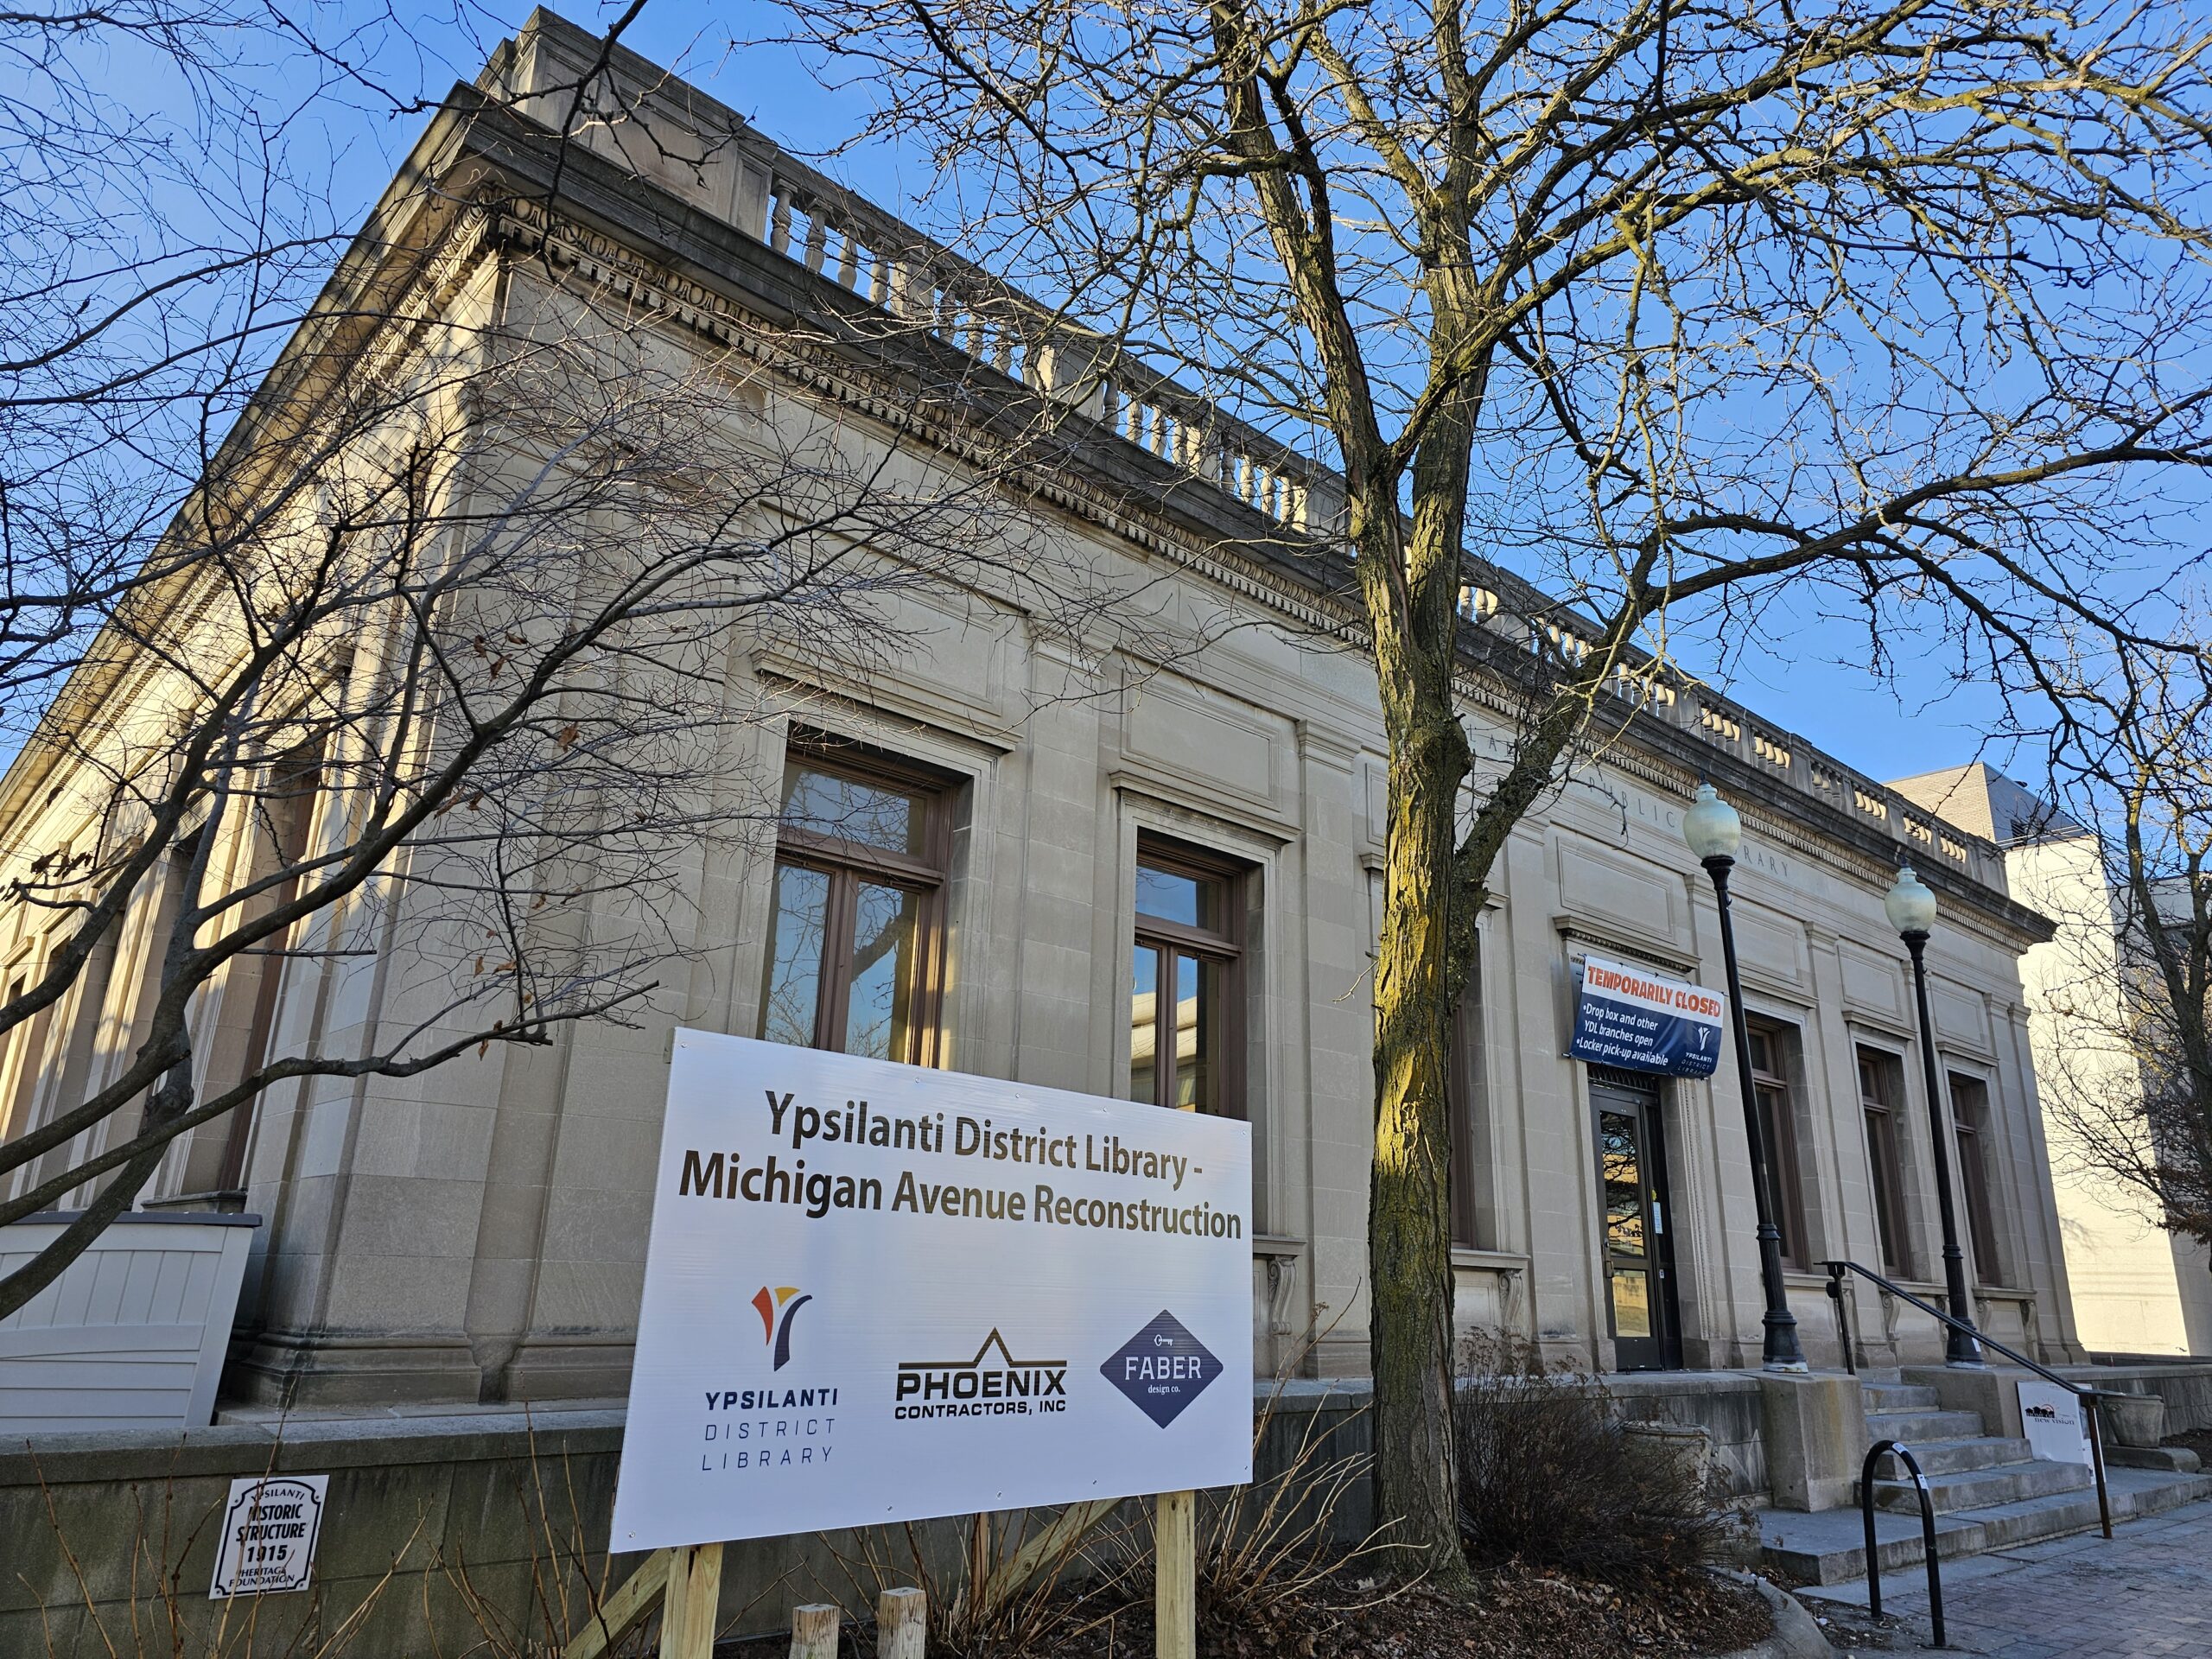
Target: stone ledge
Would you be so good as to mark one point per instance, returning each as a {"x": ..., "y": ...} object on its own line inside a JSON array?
[
  {"x": 1618, "y": 1384},
  {"x": 251, "y": 1444},
  {"x": 307, "y": 1445},
  {"x": 2174, "y": 1459},
  {"x": 401, "y": 1435}
]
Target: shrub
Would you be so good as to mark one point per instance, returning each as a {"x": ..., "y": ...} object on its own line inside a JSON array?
[
  {"x": 1548, "y": 1476},
  {"x": 1263, "y": 1548}
]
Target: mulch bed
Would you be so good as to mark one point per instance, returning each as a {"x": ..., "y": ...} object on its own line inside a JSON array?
[
  {"x": 1519, "y": 1614},
  {"x": 1516, "y": 1616}
]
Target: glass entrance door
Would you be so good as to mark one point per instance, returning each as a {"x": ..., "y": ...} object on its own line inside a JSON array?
[{"x": 1632, "y": 1180}]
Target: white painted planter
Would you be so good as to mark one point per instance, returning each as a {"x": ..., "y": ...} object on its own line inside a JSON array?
[{"x": 132, "y": 1334}]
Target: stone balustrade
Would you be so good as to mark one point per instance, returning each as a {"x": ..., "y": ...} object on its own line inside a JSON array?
[{"x": 706, "y": 154}]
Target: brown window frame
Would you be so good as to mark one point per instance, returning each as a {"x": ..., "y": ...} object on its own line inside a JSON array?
[
  {"x": 284, "y": 822},
  {"x": 848, "y": 863},
  {"x": 1879, "y": 1107},
  {"x": 1225, "y": 948},
  {"x": 1778, "y": 1124},
  {"x": 1969, "y": 1131},
  {"x": 18, "y": 1048},
  {"x": 1467, "y": 1098}
]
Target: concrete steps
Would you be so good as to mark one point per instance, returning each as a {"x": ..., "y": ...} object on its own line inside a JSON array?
[
  {"x": 1917, "y": 1427},
  {"x": 1829, "y": 1548},
  {"x": 1984, "y": 1488},
  {"x": 1988, "y": 1491},
  {"x": 1899, "y": 1396},
  {"x": 1948, "y": 1457}
]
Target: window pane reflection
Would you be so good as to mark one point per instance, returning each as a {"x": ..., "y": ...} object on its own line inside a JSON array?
[
  {"x": 886, "y": 921},
  {"x": 1198, "y": 1027},
  {"x": 1185, "y": 989},
  {"x": 1176, "y": 897},
  {"x": 873, "y": 814},
  {"x": 1144, "y": 998},
  {"x": 792, "y": 982},
  {"x": 1621, "y": 1167},
  {"x": 1631, "y": 1303}
]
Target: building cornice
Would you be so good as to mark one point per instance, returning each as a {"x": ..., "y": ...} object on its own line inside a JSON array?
[
  {"x": 476, "y": 182},
  {"x": 713, "y": 277}
]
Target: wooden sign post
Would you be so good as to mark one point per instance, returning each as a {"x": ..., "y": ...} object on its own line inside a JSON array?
[
  {"x": 814, "y": 1630},
  {"x": 686, "y": 1612},
  {"x": 685, "y": 1583},
  {"x": 901, "y": 1625},
  {"x": 1175, "y": 1576}
]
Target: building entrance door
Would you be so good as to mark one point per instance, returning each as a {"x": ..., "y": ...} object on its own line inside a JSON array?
[{"x": 1638, "y": 1254}]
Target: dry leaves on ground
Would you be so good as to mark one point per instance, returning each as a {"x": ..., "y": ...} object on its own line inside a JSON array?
[{"x": 1520, "y": 1614}]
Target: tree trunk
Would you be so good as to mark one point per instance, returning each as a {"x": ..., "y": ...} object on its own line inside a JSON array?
[{"x": 1409, "y": 1243}]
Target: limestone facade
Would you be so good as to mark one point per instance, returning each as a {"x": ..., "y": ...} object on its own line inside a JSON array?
[{"x": 477, "y": 1232}]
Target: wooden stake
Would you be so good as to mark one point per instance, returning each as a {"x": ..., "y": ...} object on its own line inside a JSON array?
[
  {"x": 624, "y": 1610},
  {"x": 1048, "y": 1546},
  {"x": 901, "y": 1625},
  {"x": 687, "y": 1614},
  {"x": 1175, "y": 1576},
  {"x": 814, "y": 1631},
  {"x": 979, "y": 1565}
]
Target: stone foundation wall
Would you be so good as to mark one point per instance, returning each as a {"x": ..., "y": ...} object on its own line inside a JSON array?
[
  {"x": 425, "y": 1514},
  {"x": 421, "y": 1514}
]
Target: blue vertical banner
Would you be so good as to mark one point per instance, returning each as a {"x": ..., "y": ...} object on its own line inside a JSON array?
[{"x": 1641, "y": 1021}]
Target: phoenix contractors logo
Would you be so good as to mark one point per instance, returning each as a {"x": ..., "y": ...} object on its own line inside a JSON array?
[
  {"x": 992, "y": 1384},
  {"x": 776, "y": 1309}
]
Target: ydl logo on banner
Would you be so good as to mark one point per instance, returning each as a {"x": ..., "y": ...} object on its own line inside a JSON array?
[{"x": 776, "y": 1311}]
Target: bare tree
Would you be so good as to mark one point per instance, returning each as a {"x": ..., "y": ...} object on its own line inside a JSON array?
[
  {"x": 2130, "y": 1078},
  {"x": 417, "y": 661},
  {"x": 1883, "y": 309},
  {"x": 441, "y": 685},
  {"x": 173, "y": 198}
]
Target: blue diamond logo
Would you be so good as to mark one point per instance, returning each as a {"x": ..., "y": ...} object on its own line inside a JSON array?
[{"x": 1162, "y": 1369}]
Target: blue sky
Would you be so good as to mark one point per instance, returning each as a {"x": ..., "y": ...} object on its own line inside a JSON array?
[{"x": 1807, "y": 677}]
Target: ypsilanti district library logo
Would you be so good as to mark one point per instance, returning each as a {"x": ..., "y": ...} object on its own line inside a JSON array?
[
  {"x": 992, "y": 1384},
  {"x": 776, "y": 1309},
  {"x": 777, "y": 1426}
]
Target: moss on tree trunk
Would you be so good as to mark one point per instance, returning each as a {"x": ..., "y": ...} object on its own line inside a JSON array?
[{"x": 1409, "y": 1242}]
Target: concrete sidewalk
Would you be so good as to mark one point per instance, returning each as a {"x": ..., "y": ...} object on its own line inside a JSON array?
[{"x": 2147, "y": 1591}]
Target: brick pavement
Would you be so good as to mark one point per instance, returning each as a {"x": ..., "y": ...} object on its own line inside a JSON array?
[{"x": 2147, "y": 1593}]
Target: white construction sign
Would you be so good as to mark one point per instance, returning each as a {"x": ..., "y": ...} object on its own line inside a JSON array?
[
  {"x": 270, "y": 1529},
  {"x": 2052, "y": 1421},
  {"x": 877, "y": 1293}
]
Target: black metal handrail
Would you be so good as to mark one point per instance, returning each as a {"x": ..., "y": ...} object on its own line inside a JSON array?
[
  {"x": 1927, "y": 1531},
  {"x": 2088, "y": 1396}
]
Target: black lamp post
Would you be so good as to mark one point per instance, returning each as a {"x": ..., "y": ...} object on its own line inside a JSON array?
[
  {"x": 1714, "y": 831},
  {"x": 1911, "y": 910}
]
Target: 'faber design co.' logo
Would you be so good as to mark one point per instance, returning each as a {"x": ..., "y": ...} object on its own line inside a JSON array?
[
  {"x": 1162, "y": 1369},
  {"x": 776, "y": 1309}
]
